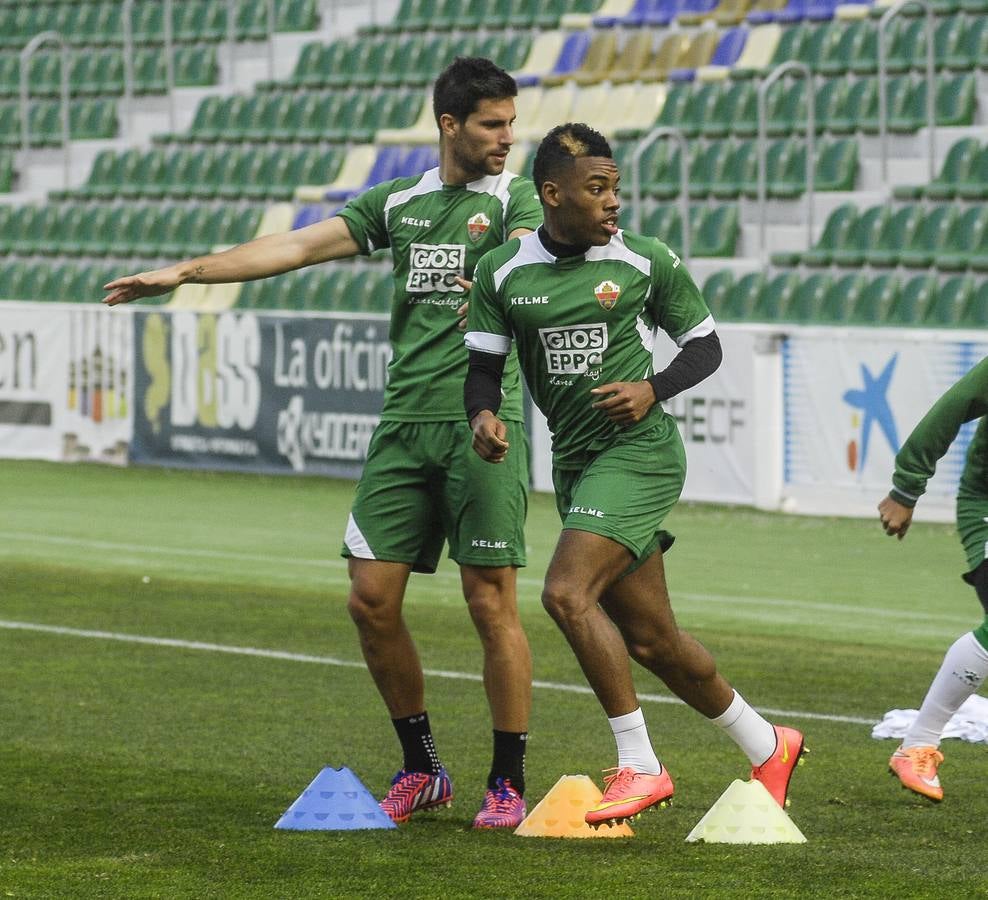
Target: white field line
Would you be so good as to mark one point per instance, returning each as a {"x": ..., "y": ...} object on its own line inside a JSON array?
[
  {"x": 351, "y": 664},
  {"x": 331, "y": 563}
]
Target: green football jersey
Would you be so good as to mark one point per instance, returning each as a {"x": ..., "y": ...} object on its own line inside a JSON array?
[
  {"x": 435, "y": 233},
  {"x": 917, "y": 459},
  {"x": 583, "y": 321}
]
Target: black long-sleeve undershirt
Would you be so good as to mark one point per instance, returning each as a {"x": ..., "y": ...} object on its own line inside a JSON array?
[
  {"x": 482, "y": 388},
  {"x": 698, "y": 359}
]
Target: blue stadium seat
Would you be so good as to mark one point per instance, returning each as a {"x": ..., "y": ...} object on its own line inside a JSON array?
[{"x": 730, "y": 47}]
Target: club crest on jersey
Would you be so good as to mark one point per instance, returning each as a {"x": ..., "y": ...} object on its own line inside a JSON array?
[
  {"x": 607, "y": 293},
  {"x": 477, "y": 226}
]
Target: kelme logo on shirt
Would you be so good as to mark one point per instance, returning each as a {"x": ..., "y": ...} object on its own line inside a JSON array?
[
  {"x": 607, "y": 293},
  {"x": 477, "y": 226},
  {"x": 434, "y": 267},
  {"x": 574, "y": 349}
]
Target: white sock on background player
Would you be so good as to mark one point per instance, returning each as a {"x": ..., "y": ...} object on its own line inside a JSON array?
[{"x": 748, "y": 729}]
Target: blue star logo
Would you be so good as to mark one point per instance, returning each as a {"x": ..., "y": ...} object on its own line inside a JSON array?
[{"x": 872, "y": 400}]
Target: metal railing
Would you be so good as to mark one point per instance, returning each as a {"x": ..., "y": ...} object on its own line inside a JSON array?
[
  {"x": 672, "y": 134},
  {"x": 26, "y": 54},
  {"x": 931, "y": 86},
  {"x": 127, "y": 14},
  {"x": 773, "y": 76}
]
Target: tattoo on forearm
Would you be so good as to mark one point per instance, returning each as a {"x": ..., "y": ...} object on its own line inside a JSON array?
[{"x": 197, "y": 274}]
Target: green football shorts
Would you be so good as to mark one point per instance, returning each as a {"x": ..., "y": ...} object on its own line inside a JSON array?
[
  {"x": 423, "y": 484},
  {"x": 626, "y": 491},
  {"x": 972, "y": 526}
]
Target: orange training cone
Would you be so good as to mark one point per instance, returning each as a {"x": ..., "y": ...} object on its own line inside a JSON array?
[{"x": 560, "y": 812}]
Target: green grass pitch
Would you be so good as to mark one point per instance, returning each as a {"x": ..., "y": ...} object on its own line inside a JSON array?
[{"x": 138, "y": 770}]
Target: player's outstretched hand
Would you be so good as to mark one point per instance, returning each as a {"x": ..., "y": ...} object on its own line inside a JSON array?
[
  {"x": 461, "y": 312},
  {"x": 628, "y": 401},
  {"x": 490, "y": 437},
  {"x": 144, "y": 284},
  {"x": 895, "y": 517}
]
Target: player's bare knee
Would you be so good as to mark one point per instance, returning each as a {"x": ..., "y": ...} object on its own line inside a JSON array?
[
  {"x": 561, "y": 600},
  {"x": 370, "y": 611}
]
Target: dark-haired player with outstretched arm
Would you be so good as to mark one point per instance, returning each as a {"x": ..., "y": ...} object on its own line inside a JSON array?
[
  {"x": 582, "y": 301},
  {"x": 421, "y": 485}
]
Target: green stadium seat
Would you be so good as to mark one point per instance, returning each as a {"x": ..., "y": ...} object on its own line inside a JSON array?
[
  {"x": 735, "y": 106},
  {"x": 839, "y": 300},
  {"x": 949, "y": 306},
  {"x": 716, "y": 232},
  {"x": 835, "y": 232},
  {"x": 850, "y": 43},
  {"x": 956, "y": 168},
  {"x": 862, "y": 235},
  {"x": 963, "y": 237},
  {"x": 976, "y": 314},
  {"x": 807, "y": 300},
  {"x": 739, "y": 172},
  {"x": 876, "y": 300},
  {"x": 898, "y": 232},
  {"x": 971, "y": 49},
  {"x": 775, "y": 297},
  {"x": 973, "y": 185},
  {"x": 918, "y": 294},
  {"x": 742, "y": 299},
  {"x": 860, "y": 104},
  {"x": 929, "y": 238},
  {"x": 716, "y": 289}
]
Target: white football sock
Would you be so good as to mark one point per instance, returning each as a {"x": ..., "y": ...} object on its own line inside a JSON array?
[
  {"x": 961, "y": 673},
  {"x": 633, "y": 745},
  {"x": 752, "y": 733}
]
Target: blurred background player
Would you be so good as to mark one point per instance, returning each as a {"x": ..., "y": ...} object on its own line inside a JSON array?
[
  {"x": 965, "y": 665},
  {"x": 421, "y": 484},
  {"x": 583, "y": 300}
]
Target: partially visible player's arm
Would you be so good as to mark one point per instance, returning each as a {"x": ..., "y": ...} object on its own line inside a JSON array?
[
  {"x": 629, "y": 401},
  {"x": 482, "y": 400},
  {"x": 916, "y": 461},
  {"x": 268, "y": 255}
]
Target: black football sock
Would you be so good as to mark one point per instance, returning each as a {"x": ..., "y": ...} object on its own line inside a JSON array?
[
  {"x": 509, "y": 760},
  {"x": 416, "y": 743}
]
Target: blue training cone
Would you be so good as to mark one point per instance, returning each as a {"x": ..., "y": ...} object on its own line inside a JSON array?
[{"x": 336, "y": 800}]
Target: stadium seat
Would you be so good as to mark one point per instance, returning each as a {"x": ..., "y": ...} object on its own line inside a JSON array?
[
  {"x": 863, "y": 234},
  {"x": 738, "y": 173},
  {"x": 742, "y": 299},
  {"x": 956, "y": 168},
  {"x": 772, "y": 303},
  {"x": 839, "y": 300},
  {"x": 716, "y": 289},
  {"x": 898, "y": 232},
  {"x": 763, "y": 12},
  {"x": 698, "y": 53},
  {"x": 929, "y": 238},
  {"x": 965, "y": 234},
  {"x": 918, "y": 294},
  {"x": 716, "y": 233},
  {"x": 596, "y": 62},
  {"x": 571, "y": 55},
  {"x": 948, "y": 308},
  {"x": 835, "y": 232},
  {"x": 636, "y": 52},
  {"x": 973, "y": 185},
  {"x": 758, "y": 50},
  {"x": 806, "y": 302},
  {"x": 976, "y": 314},
  {"x": 877, "y": 298},
  {"x": 543, "y": 56}
]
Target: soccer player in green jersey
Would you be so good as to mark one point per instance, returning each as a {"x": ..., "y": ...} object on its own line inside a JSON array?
[
  {"x": 965, "y": 665},
  {"x": 421, "y": 485},
  {"x": 582, "y": 300}
]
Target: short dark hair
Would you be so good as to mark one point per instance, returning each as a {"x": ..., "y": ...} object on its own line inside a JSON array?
[
  {"x": 562, "y": 146},
  {"x": 465, "y": 82}
]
